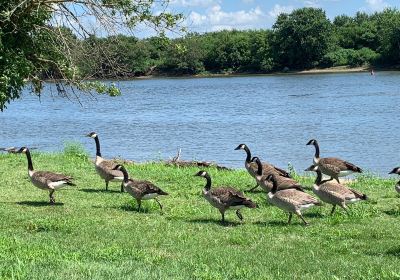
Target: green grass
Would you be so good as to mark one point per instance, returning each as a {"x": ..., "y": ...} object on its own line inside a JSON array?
[{"x": 99, "y": 235}]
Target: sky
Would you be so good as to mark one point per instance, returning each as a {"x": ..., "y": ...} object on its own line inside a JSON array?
[{"x": 213, "y": 15}]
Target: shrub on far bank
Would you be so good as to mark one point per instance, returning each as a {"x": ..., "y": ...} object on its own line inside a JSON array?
[{"x": 350, "y": 57}]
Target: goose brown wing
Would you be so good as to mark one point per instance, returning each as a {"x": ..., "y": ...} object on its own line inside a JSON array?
[
  {"x": 229, "y": 196},
  {"x": 108, "y": 165},
  {"x": 47, "y": 176},
  {"x": 337, "y": 165},
  {"x": 336, "y": 190},
  {"x": 288, "y": 183},
  {"x": 145, "y": 187},
  {"x": 296, "y": 197}
]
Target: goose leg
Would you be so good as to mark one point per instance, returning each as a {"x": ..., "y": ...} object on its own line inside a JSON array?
[
  {"x": 345, "y": 208},
  {"x": 333, "y": 209},
  {"x": 239, "y": 215},
  {"x": 252, "y": 189},
  {"x": 337, "y": 180},
  {"x": 106, "y": 185},
  {"x": 159, "y": 204},
  {"x": 122, "y": 187},
  {"x": 139, "y": 202},
  {"x": 290, "y": 218},
  {"x": 51, "y": 195},
  {"x": 302, "y": 218},
  {"x": 222, "y": 216}
]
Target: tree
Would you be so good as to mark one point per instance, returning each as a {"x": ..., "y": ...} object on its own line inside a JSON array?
[
  {"x": 35, "y": 44},
  {"x": 388, "y": 23},
  {"x": 301, "y": 38}
]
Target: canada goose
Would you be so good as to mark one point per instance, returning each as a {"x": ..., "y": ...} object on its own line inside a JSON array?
[
  {"x": 105, "y": 167},
  {"x": 283, "y": 182},
  {"x": 46, "y": 180},
  {"x": 290, "y": 200},
  {"x": 251, "y": 166},
  {"x": 333, "y": 193},
  {"x": 139, "y": 189},
  {"x": 224, "y": 198},
  {"x": 333, "y": 167},
  {"x": 396, "y": 170}
]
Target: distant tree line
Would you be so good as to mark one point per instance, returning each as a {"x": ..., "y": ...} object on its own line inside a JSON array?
[{"x": 303, "y": 39}]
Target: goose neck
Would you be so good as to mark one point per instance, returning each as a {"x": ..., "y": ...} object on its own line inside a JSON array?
[
  {"x": 29, "y": 158},
  {"x": 248, "y": 154},
  {"x": 207, "y": 187},
  {"x": 98, "y": 153}
]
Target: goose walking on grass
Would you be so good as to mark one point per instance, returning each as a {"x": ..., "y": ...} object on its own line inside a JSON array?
[
  {"x": 139, "y": 189},
  {"x": 283, "y": 182},
  {"x": 46, "y": 180},
  {"x": 225, "y": 198},
  {"x": 396, "y": 170},
  {"x": 290, "y": 200},
  {"x": 251, "y": 166},
  {"x": 105, "y": 168},
  {"x": 333, "y": 167},
  {"x": 334, "y": 193}
]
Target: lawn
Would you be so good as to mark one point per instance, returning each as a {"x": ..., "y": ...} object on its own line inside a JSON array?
[{"x": 91, "y": 233}]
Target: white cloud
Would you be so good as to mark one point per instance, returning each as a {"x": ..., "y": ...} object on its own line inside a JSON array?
[
  {"x": 377, "y": 5},
  {"x": 194, "y": 3},
  {"x": 248, "y": 1},
  {"x": 278, "y": 9},
  {"x": 216, "y": 19}
]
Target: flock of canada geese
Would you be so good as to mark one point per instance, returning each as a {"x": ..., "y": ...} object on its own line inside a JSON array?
[{"x": 282, "y": 191}]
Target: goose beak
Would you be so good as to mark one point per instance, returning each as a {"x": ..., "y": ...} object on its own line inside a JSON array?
[{"x": 311, "y": 168}]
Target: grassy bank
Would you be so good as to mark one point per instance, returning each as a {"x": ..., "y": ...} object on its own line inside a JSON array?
[{"x": 95, "y": 234}]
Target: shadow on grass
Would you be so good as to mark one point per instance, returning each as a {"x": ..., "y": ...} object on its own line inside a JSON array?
[
  {"x": 395, "y": 251},
  {"x": 392, "y": 212},
  {"x": 217, "y": 222},
  {"x": 98, "y": 191},
  {"x": 313, "y": 215},
  {"x": 39, "y": 203},
  {"x": 272, "y": 223},
  {"x": 131, "y": 208}
]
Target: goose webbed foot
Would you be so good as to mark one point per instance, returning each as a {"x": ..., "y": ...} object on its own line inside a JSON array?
[{"x": 239, "y": 215}]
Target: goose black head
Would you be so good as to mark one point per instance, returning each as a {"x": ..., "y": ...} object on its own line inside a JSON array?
[
  {"x": 92, "y": 135},
  {"x": 312, "y": 142},
  {"x": 254, "y": 159},
  {"x": 241, "y": 147},
  {"x": 117, "y": 167},
  {"x": 22, "y": 150},
  {"x": 395, "y": 170},
  {"x": 201, "y": 173},
  {"x": 312, "y": 168}
]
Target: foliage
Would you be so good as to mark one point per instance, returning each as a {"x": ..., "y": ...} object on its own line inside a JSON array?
[
  {"x": 91, "y": 233},
  {"x": 301, "y": 38},
  {"x": 36, "y": 44}
]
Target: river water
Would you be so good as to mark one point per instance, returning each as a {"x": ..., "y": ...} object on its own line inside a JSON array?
[{"x": 354, "y": 116}]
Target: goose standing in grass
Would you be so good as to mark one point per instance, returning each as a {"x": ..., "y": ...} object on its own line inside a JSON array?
[
  {"x": 290, "y": 200},
  {"x": 251, "y": 166},
  {"x": 46, "y": 180},
  {"x": 334, "y": 193},
  {"x": 266, "y": 185},
  {"x": 105, "y": 168},
  {"x": 396, "y": 170},
  {"x": 224, "y": 198},
  {"x": 333, "y": 167},
  {"x": 139, "y": 189}
]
